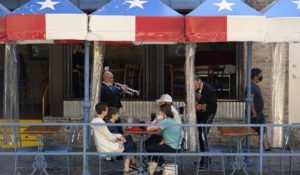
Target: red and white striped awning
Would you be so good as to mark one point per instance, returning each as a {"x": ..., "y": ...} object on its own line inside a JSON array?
[
  {"x": 224, "y": 20},
  {"x": 46, "y": 21},
  {"x": 136, "y": 21}
]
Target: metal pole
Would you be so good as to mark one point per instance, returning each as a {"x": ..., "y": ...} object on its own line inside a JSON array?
[
  {"x": 248, "y": 96},
  {"x": 86, "y": 106},
  {"x": 261, "y": 149}
]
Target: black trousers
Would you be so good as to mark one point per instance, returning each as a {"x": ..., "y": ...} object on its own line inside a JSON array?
[
  {"x": 164, "y": 148},
  {"x": 129, "y": 146},
  {"x": 203, "y": 132}
]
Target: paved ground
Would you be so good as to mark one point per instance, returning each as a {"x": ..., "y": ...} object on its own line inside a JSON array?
[{"x": 57, "y": 166}]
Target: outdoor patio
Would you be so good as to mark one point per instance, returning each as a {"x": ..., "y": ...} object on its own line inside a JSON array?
[{"x": 272, "y": 164}]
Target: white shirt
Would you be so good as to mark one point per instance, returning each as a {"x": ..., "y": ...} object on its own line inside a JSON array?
[
  {"x": 104, "y": 139},
  {"x": 177, "y": 117}
]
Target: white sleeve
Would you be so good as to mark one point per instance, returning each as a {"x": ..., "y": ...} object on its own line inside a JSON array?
[{"x": 105, "y": 132}]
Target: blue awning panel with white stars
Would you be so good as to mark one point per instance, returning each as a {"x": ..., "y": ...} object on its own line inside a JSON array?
[
  {"x": 136, "y": 8},
  {"x": 48, "y": 7},
  {"x": 3, "y": 11},
  {"x": 283, "y": 8},
  {"x": 224, "y": 8}
]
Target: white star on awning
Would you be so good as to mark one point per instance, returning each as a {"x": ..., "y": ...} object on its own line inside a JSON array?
[
  {"x": 297, "y": 2},
  {"x": 224, "y": 5},
  {"x": 47, "y": 4},
  {"x": 136, "y": 3}
]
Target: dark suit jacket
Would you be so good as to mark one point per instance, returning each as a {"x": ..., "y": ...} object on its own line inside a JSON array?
[
  {"x": 112, "y": 97},
  {"x": 208, "y": 96}
]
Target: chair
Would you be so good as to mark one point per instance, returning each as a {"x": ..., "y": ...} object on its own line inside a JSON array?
[
  {"x": 72, "y": 137},
  {"x": 181, "y": 143},
  {"x": 168, "y": 79},
  {"x": 177, "y": 81},
  {"x": 292, "y": 143},
  {"x": 16, "y": 141},
  {"x": 26, "y": 92},
  {"x": 106, "y": 157},
  {"x": 133, "y": 75}
]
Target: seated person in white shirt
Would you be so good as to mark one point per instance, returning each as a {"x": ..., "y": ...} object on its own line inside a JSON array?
[{"x": 108, "y": 142}]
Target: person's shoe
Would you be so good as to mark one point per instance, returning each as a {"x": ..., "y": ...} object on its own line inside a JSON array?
[
  {"x": 129, "y": 172},
  {"x": 203, "y": 165},
  {"x": 161, "y": 161},
  {"x": 109, "y": 159},
  {"x": 133, "y": 166},
  {"x": 119, "y": 158}
]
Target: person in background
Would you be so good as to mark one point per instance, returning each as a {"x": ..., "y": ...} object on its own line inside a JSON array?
[
  {"x": 109, "y": 142},
  {"x": 77, "y": 70},
  {"x": 111, "y": 95},
  {"x": 206, "y": 108},
  {"x": 171, "y": 134},
  {"x": 257, "y": 104}
]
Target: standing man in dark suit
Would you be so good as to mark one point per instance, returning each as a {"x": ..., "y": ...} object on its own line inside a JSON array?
[
  {"x": 206, "y": 108},
  {"x": 110, "y": 94}
]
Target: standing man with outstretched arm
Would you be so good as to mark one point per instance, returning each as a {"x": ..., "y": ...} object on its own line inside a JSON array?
[{"x": 110, "y": 94}]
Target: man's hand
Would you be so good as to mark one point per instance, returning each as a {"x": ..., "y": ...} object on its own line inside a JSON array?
[
  {"x": 161, "y": 142},
  {"x": 201, "y": 107},
  {"x": 124, "y": 88},
  {"x": 122, "y": 138}
]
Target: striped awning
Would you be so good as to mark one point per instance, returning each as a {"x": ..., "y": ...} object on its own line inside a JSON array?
[
  {"x": 136, "y": 21},
  {"x": 224, "y": 20},
  {"x": 46, "y": 21}
]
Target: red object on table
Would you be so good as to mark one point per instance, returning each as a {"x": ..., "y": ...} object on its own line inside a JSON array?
[{"x": 134, "y": 129}]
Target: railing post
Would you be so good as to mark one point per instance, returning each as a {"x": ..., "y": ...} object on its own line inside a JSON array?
[
  {"x": 261, "y": 149},
  {"x": 86, "y": 106},
  {"x": 248, "y": 96}
]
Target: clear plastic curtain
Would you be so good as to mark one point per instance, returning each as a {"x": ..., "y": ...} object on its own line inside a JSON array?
[
  {"x": 97, "y": 70},
  {"x": 190, "y": 91},
  {"x": 279, "y": 57},
  {"x": 11, "y": 94}
]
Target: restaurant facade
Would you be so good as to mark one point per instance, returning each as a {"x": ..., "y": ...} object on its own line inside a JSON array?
[{"x": 45, "y": 69}]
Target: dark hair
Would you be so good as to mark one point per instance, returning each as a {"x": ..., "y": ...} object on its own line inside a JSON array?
[
  {"x": 112, "y": 111},
  {"x": 100, "y": 107},
  {"x": 197, "y": 78},
  {"x": 166, "y": 108},
  {"x": 255, "y": 72}
]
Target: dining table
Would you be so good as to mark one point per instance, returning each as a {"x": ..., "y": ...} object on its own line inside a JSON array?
[
  {"x": 239, "y": 134},
  {"x": 143, "y": 134}
]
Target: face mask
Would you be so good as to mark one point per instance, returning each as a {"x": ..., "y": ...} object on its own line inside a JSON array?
[{"x": 260, "y": 78}]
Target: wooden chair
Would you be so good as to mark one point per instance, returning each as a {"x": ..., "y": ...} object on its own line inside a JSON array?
[
  {"x": 177, "y": 81},
  {"x": 25, "y": 89},
  {"x": 168, "y": 79},
  {"x": 133, "y": 75},
  {"x": 119, "y": 73}
]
